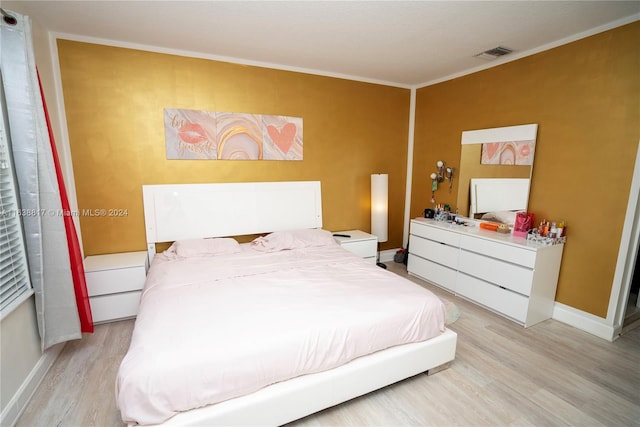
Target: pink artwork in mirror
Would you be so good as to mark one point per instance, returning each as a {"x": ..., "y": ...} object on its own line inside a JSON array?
[{"x": 508, "y": 153}]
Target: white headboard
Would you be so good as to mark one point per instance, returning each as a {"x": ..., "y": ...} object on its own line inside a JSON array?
[
  {"x": 498, "y": 194},
  {"x": 188, "y": 211}
]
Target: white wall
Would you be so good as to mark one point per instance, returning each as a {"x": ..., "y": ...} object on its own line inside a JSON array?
[{"x": 20, "y": 349}]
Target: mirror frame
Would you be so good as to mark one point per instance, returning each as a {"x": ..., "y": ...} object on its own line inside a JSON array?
[{"x": 471, "y": 152}]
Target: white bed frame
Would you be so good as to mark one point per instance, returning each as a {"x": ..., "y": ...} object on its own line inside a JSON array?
[
  {"x": 498, "y": 194},
  {"x": 174, "y": 212},
  {"x": 189, "y": 211}
]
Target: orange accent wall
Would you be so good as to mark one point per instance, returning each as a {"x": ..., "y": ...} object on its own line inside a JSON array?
[
  {"x": 114, "y": 100},
  {"x": 585, "y": 98}
]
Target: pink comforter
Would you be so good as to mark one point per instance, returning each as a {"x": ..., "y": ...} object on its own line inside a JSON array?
[{"x": 214, "y": 328}]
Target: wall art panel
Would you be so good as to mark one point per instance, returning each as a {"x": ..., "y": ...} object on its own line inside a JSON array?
[{"x": 207, "y": 135}]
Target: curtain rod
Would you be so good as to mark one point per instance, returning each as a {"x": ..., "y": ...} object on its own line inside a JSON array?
[{"x": 9, "y": 19}]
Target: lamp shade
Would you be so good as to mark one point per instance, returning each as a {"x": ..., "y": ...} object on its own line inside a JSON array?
[{"x": 379, "y": 206}]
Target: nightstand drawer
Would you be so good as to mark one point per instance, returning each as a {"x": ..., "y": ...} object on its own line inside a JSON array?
[
  {"x": 360, "y": 243},
  {"x": 114, "y": 284},
  {"x": 114, "y": 281},
  {"x": 116, "y": 306},
  {"x": 364, "y": 248}
]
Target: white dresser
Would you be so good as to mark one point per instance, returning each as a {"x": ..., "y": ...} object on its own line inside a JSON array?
[
  {"x": 507, "y": 274},
  {"x": 360, "y": 243},
  {"x": 114, "y": 284}
]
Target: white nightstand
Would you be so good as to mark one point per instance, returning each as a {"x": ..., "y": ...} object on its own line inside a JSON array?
[
  {"x": 114, "y": 284},
  {"x": 360, "y": 243}
]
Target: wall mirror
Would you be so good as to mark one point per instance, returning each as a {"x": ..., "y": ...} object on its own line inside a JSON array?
[{"x": 505, "y": 152}]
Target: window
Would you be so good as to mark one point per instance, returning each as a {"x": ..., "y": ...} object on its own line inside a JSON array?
[{"x": 14, "y": 276}]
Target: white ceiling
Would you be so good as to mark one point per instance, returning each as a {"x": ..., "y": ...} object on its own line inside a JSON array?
[{"x": 403, "y": 43}]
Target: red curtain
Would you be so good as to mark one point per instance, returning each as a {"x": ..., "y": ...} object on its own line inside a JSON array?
[{"x": 75, "y": 255}]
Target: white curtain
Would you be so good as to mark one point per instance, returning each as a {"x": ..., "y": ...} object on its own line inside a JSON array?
[{"x": 41, "y": 208}]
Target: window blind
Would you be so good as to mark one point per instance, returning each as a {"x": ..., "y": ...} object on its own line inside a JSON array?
[{"x": 14, "y": 276}]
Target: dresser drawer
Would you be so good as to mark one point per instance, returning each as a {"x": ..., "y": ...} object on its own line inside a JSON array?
[
  {"x": 503, "y": 301},
  {"x": 510, "y": 253},
  {"x": 434, "y": 273},
  {"x": 116, "y": 280},
  {"x": 510, "y": 276},
  {"x": 434, "y": 251},
  {"x": 436, "y": 234},
  {"x": 112, "y": 307}
]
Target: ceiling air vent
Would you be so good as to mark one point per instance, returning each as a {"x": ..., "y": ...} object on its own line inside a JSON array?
[{"x": 494, "y": 53}]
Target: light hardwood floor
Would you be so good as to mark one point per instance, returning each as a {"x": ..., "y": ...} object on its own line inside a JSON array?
[{"x": 504, "y": 375}]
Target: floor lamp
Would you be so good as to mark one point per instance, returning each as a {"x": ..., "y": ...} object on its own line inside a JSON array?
[{"x": 379, "y": 209}]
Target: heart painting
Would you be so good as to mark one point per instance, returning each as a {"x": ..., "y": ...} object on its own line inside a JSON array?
[{"x": 283, "y": 138}]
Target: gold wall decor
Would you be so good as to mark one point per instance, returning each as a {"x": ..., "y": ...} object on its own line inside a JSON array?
[{"x": 114, "y": 105}]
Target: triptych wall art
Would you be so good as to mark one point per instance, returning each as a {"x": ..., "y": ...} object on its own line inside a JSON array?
[{"x": 209, "y": 135}]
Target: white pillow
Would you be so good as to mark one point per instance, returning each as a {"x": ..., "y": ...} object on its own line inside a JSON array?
[
  {"x": 293, "y": 239},
  {"x": 203, "y": 247}
]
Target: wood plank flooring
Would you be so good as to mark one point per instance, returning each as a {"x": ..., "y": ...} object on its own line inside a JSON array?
[{"x": 504, "y": 375}]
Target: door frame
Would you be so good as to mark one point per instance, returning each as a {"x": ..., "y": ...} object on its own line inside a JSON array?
[{"x": 627, "y": 254}]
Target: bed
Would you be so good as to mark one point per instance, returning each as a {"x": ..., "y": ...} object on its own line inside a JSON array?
[
  {"x": 498, "y": 199},
  {"x": 269, "y": 331}
]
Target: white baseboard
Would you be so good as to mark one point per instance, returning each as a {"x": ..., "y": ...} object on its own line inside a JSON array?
[
  {"x": 19, "y": 401},
  {"x": 585, "y": 321},
  {"x": 387, "y": 255}
]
